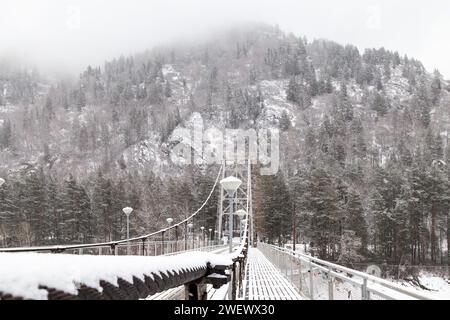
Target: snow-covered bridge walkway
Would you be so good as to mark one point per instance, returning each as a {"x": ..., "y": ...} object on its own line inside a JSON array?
[{"x": 263, "y": 281}]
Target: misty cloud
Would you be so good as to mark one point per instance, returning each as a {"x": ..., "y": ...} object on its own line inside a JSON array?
[{"x": 62, "y": 35}]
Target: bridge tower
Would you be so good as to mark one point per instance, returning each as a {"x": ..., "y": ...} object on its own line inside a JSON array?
[{"x": 243, "y": 196}]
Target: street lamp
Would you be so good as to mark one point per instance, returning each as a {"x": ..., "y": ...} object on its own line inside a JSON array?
[
  {"x": 127, "y": 211},
  {"x": 202, "y": 241},
  {"x": 209, "y": 239},
  {"x": 190, "y": 227},
  {"x": 230, "y": 184},
  {"x": 241, "y": 214},
  {"x": 169, "y": 221}
]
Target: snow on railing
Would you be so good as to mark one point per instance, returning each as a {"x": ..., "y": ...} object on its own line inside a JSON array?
[{"x": 50, "y": 276}]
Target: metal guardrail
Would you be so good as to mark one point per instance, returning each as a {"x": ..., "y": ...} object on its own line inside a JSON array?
[
  {"x": 319, "y": 279},
  {"x": 149, "y": 248}
]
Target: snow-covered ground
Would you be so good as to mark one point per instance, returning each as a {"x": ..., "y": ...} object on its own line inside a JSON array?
[{"x": 439, "y": 287}]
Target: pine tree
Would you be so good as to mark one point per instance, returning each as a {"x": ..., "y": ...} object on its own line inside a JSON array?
[
  {"x": 380, "y": 104},
  {"x": 350, "y": 247},
  {"x": 48, "y": 109},
  {"x": 436, "y": 87},
  {"x": 285, "y": 121},
  {"x": 355, "y": 220},
  {"x": 34, "y": 205},
  {"x": 277, "y": 208},
  {"x": 293, "y": 93},
  {"x": 55, "y": 211},
  {"x": 6, "y": 136},
  {"x": 325, "y": 214},
  {"x": 168, "y": 90},
  {"x": 9, "y": 216}
]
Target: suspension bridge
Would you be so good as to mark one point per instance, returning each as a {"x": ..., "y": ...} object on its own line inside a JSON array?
[{"x": 172, "y": 263}]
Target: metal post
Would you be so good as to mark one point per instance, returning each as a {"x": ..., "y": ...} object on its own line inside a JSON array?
[
  {"x": 209, "y": 238},
  {"x": 128, "y": 234},
  {"x": 143, "y": 246},
  {"x": 193, "y": 233},
  {"x": 300, "y": 276},
  {"x": 364, "y": 289},
  {"x": 185, "y": 236},
  {"x": 99, "y": 251},
  {"x": 291, "y": 263},
  {"x": 330, "y": 286},
  {"x": 230, "y": 224},
  {"x": 162, "y": 243},
  {"x": 311, "y": 281},
  {"x": 222, "y": 193},
  {"x": 233, "y": 283}
]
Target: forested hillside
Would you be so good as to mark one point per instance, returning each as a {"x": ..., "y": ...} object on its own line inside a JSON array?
[{"x": 364, "y": 138}]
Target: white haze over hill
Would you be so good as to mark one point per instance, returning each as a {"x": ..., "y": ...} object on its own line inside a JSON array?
[{"x": 68, "y": 35}]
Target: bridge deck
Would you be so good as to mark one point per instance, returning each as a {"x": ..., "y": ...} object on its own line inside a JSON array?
[
  {"x": 178, "y": 292},
  {"x": 263, "y": 281}
]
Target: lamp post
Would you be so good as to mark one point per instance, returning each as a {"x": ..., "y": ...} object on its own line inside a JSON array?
[
  {"x": 209, "y": 238},
  {"x": 127, "y": 211},
  {"x": 190, "y": 227},
  {"x": 230, "y": 184},
  {"x": 243, "y": 222},
  {"x": 202, "y": 241},
  {"x": 241, "y": 214},
  {"x": 169, "y": 221}
]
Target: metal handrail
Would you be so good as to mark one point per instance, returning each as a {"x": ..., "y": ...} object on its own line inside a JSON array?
[{"x": 334, "y": 269}]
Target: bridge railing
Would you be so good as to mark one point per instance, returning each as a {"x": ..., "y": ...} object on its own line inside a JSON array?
[
  {"x": 150, "y": 248},
  {"x": 319, "y": 279}
]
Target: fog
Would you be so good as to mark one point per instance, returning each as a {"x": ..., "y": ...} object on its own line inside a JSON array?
[{"x": 65, "y": 36}]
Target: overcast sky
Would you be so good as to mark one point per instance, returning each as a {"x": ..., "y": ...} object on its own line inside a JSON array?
[{"x": 70, "y": 34}]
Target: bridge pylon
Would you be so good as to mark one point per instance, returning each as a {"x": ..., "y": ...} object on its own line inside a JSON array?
[{"x": 242, "y": 198}]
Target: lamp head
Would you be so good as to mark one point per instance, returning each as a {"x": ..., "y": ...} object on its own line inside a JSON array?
[
  {"x": 241, "y": 213},
  {"x": 202, "y": 228},
  {"x": 127, "y": 210},
  {"x": 190, "y": 225},
  {"x": 230, "y": 184},
  {"x": 169, "y": 220}
]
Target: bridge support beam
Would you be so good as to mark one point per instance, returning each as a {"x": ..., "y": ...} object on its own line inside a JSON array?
[{"x": 195, "y": 290}]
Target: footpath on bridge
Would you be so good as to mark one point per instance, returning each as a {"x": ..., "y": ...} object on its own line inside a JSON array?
[{"x": 263, "y": 281}]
